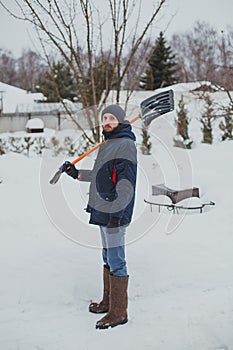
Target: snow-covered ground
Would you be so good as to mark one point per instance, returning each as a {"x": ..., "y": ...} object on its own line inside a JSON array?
[{"x": 180, "y": 266}]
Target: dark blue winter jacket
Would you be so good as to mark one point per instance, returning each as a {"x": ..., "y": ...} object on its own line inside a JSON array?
[{"x": 113, "y": 179}]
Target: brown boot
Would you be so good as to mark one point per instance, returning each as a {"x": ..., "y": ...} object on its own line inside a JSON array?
[
  {"x": 118, "y": 303},
  {"x": 103, "y": 306}
]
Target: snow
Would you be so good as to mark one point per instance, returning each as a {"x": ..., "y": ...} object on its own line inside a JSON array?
[
  {"x": 180, "y": 265},
  {"x": 12, "y": 96},
  {"x": 35, "y": 123},
  {"x": 191, "y": 86}
]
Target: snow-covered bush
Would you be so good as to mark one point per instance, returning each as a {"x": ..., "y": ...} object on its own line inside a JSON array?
[
  {"x": 2, "y": 147},
  {"x": 40, "y": 145},
  {"x": 14, "y": 144},
  {"x": 54, "y": 145},
  {"x": 69, "y": 146},
  {"x": 27, "y": 144},
  {"x": 182, "y": 138},
  {"x": 36, "y": 145},
  {"x": 226, "y": 125}
]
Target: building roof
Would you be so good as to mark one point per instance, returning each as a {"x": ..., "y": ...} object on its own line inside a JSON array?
[
  {"x": 46, "y": 108},
  {"x": 11, "y": 96}
]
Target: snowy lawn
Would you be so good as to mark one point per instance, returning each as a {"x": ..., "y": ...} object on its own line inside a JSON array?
[{"x": 180, "y": 266}]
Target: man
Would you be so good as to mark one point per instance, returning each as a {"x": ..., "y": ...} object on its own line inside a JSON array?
[{"x": 111, "y": 202}]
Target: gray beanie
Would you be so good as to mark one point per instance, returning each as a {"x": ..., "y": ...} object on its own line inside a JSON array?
[{"x": 116, "y": 110}]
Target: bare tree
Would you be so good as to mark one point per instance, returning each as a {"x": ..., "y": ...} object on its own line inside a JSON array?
[
  {"x": 204, "y": 54},
  {"x": 7, "y": 67},
  {"x": 76, "y": 30},
  {"x": 225, "y": 45},
  {"x": 196, "y": 52},
  {"x": 29, "y": 68}
]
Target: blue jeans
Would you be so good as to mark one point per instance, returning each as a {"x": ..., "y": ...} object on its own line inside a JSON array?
[{"x": 113, "y": 251}]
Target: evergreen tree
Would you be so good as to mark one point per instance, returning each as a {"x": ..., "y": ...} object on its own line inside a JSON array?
[
  {"x": 182, "y": 137},
  {"x": 162, "y": 65},
  {"x": 207, "y": 119},
  {"x": 146, "y": 144},
  {"x": 226, "y": 125},
  {"x": 146, "y": 80},
  {"x": 58, "y": 83}
]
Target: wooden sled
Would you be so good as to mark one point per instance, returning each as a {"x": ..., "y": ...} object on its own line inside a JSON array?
[{"x": 176, "y": 196}]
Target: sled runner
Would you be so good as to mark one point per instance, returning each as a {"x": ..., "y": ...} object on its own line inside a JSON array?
[{"x": 175, "y": 208}]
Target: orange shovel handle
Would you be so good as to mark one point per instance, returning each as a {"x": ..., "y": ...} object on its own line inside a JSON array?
[{"x": 87, "y": 152}]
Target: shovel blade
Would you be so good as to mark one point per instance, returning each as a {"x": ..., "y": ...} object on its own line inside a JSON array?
[
  {"x": 156, "y": 105},
  {"x": 56, "y": 177}
]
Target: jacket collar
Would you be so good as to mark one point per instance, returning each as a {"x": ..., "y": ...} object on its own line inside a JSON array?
[{"x": 123, "y": 130}]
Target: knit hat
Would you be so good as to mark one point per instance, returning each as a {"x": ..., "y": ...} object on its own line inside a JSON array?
[{"x": 116, "y": 110}]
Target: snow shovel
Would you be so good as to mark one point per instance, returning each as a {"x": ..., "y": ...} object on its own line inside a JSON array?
[{"x": 150, "y": 108}]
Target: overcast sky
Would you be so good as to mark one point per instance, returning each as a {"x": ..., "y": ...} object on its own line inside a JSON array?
[{"x": 180, "y": 14}]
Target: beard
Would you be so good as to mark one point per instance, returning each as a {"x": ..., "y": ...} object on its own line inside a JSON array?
[{"x": 108, "y": 128}]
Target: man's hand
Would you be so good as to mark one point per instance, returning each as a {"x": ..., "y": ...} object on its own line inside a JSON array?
[{"x": 70, "y": 169}]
